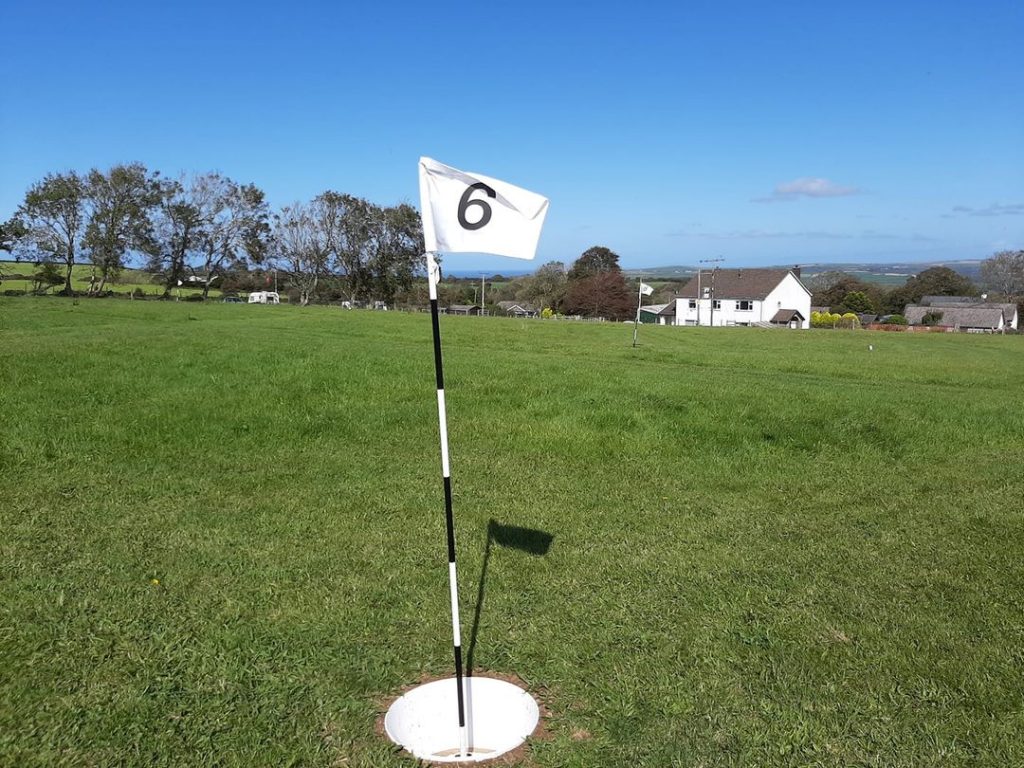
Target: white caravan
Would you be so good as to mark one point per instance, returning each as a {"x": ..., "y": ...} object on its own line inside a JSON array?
[{"x": 264, "y": 297}]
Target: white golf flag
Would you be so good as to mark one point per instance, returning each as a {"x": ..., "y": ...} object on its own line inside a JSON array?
[
  {"x": 645, "y": 289},
  {"x": 467, "y": 212}
]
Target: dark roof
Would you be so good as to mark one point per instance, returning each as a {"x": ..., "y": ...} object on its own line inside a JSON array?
[
  {"x": 1009, "y": 308},
  {"x": 963, "y": 317},
  {"x": 462, "y": 307},
  {"x": 785, "y": 315},
  {"x": 737, "y": 283}
]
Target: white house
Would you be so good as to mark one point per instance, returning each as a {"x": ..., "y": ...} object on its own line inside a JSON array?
[{"x": 743, "y": 297}]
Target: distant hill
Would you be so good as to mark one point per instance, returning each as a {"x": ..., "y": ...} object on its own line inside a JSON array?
[
  {"x": 886, "y": 273},
  {"x": 662, "y": 273}
]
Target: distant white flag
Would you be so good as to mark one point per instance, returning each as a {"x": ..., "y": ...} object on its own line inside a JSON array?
[
  {"x": 645, "y": 289},
  {"x": 467, "y": 212}
]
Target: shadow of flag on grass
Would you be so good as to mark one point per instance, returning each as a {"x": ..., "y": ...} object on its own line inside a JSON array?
[{"x": 528, "y": 540}]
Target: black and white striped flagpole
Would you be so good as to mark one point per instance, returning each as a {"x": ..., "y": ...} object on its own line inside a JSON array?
[{"x": 433, "y": 272}]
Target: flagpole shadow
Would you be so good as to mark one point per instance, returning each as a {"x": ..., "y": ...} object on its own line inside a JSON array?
[{"x": 529, "y": 540}]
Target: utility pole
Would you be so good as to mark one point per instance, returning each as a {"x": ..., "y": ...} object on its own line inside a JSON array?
[
  {"x": 699, "y": 295},
  {"x": 483, "y": 304}
]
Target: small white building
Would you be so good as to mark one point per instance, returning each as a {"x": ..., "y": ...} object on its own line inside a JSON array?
[{"x": 742, "y": 297}]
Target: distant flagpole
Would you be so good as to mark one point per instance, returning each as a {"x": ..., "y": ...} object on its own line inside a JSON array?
[
  {"x": 433, "y": 274},
  {"x": 639, "y": 301}
]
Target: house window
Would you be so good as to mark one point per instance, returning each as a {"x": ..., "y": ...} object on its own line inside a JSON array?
[
  {"x": 716, "y": 304},
  {"x": 693, "y": 303},
  {"x": 745, "y": 305}
]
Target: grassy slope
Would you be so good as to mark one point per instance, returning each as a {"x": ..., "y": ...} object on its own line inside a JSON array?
[
  {"x": 128, "y": 280},
  {"x": 770, "y": 548}
]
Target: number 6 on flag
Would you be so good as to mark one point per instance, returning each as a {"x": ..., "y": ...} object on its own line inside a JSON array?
[{"x": 468, "y": 212}]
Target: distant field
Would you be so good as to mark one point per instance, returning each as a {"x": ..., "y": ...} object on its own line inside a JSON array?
[
  {"x": 888, "y": 280},
  {"x": 17, "y": 276},
  {"x": 222, "y": 536}
]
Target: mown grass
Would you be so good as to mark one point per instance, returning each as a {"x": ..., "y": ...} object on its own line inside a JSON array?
[{"x": 770, "y": 548}]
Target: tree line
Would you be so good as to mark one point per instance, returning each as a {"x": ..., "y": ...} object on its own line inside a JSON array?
[
  {"x": 205, "y": 228},
  {"x": 1000, "y": 278},
  {"x": 594, "y": 286},
  {"x": 208, "y": 230}
]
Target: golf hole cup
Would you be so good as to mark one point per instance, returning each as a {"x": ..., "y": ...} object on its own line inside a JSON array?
[{"x": 499, "y": 717}]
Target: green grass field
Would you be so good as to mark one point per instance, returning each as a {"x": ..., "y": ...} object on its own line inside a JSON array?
[
  {"x": 17, "y": 276},
  {"x": 222, "y": 537}
]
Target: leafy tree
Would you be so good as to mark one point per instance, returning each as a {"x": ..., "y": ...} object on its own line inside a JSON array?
[
  {"x": 841, "y": 285},
  {"x": 121, "y": 203},
  {"x": 897, "y": 299},
  {"x": 931, "y": 318},
  {"x": 348, "y": 223},
  {"x": 935, "y": 281},
  {"x": 849, "y": 320},
  {"x": 10, "y": 231},
  {"x": 53, "y": 217},
  {"x": 376, "y": 251},
  {"x": 1003, "y": 273},
  {"x": 596, "y": 287},
  {"x": 396, "y": 253},
  {"x": 180, "y": 226},
  {"x": 235, "y": 225},
  {"x": 301, "y": 247},
  {"x": 602, "y": 295},
  {"x": 546, "y": 287},
  {"x": 858, "y": 302},
  {"x": 594, "y": 261},
  {"x": 940, "y": 281},
  {"x": 897, "y": 320}
]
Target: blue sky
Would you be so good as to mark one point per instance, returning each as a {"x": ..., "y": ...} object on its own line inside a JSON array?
[{"x": 763, "y": 133}]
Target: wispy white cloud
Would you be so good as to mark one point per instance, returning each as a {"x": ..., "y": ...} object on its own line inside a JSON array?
[
  {"x": 762, "y": 234},
  {"x": 806, "y": 186},
  {"x": 996, "y": 209}
]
